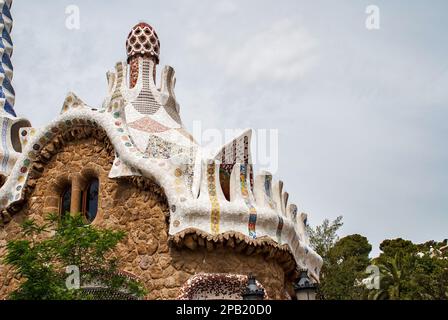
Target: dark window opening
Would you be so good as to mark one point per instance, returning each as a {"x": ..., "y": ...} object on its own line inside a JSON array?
[
  {"x": 66, "y": 197},
  {"x": 90, "y": 200}
]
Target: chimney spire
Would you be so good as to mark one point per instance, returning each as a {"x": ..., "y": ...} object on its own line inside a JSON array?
[
  {"x": 142, "y": 42},
  {"x": 7, "y": 94}
]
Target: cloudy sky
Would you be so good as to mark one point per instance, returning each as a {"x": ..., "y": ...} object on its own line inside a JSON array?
[{"x": 361, "y": 114}]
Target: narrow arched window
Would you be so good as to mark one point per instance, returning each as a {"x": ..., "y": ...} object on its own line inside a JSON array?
[
  {"x": 90, "y": 200},
  {"x": 65, "y": 200}
]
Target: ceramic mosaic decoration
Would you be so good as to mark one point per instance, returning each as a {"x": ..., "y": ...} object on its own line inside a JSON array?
[
  {"x": 6, "y": 90},
  {"x": 10, "y": 146}
]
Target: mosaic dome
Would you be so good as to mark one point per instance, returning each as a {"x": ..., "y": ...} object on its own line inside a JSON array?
[{"x": 143, "y": 41}]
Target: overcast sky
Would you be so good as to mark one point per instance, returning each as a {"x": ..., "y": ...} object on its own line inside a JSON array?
[{"x": 361, "y": 115}]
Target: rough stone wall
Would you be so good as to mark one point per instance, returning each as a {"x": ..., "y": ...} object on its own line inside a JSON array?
[{"x": 139, "y": 209}]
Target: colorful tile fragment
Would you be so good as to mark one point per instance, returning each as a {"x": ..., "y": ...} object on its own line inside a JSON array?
[
  {"x": 245, "y": 194},
  {"x": 279, "y": 229},
  {"x": 216, "y": 211}
]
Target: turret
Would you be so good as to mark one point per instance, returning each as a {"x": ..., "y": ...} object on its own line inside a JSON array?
[{"x": 142, "y": 43}]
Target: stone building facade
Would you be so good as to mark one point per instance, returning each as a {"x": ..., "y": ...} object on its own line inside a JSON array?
[{"x": 195, "y": 227}]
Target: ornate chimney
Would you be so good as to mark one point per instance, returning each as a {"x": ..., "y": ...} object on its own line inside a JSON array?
[{"x": 142, "y": 43}]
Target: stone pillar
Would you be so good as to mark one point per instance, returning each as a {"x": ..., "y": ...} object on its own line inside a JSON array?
[{"x": 75, "y": 204}]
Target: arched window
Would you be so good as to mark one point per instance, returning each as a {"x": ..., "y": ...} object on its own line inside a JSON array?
[
  {"x": 65, "y": 200},
  {"x": 90, "y": 200}
]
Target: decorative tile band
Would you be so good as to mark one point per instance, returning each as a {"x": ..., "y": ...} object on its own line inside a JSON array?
[
  {"x": 279, "y": 229},
  {"x": 7, "y": 94},
  {"x": 268, "y": 191},
  {"x": 5, "y": 159},
  {"x": 245, "y": 194},
  {"x": 216, "y": 211},
  {"x": 119, "y": 80},
  {"x": 247, "y": 161}
]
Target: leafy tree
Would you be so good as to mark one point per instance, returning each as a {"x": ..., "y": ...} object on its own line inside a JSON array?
[
  {"x": 323, "y": 237},
  {"x": 431, "y": 277},
  {"x": 396, "y": 275},
  {"x": 41, "y": 256},
  {"x": 351, "y": 246},
  {"x": 390, "y": 248},
  {"x": 407, "y": 270},
  {"x": 345, "y": 261},
  {"x": 410, "y": 271},
  {"x": 344, "y": 269}
]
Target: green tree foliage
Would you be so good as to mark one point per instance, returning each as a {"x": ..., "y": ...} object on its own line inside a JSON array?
[
  {"x": 323, "y": 237},
  {"x": 431, "y": 278},
  {"x": 345, "y": 261},
  {"x": 390, "y": 248},
  {"x": 396, "y": 275},
  {"x": 407, "y": 270},
  {"x": 41, "y": 256},
  {"x": 411, "y": 271},
  {"x": 345, "y": 268}
]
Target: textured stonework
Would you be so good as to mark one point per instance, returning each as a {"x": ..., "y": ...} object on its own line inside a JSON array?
[{"x": 139, "y": 208}]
